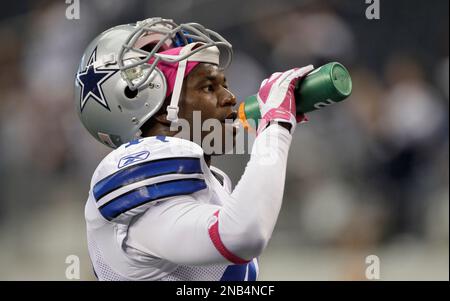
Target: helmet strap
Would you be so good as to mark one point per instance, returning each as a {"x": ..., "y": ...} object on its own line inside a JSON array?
[{"x": 172, "y": 109}]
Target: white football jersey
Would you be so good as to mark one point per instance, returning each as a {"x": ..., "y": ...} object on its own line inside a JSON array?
[{"x": 136, "y": 192}]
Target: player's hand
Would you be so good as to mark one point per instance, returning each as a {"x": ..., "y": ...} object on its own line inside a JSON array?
[{"x": 276, "y": 98}]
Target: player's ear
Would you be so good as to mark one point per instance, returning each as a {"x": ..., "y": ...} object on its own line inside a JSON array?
[{"x": 161, "y": 117}]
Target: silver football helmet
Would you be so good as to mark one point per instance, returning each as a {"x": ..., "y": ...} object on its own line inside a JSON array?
[{"x": 118, "y": 85}]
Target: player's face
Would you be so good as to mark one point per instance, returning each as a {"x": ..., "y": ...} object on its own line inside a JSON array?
[{"x": 206, "y": 91}]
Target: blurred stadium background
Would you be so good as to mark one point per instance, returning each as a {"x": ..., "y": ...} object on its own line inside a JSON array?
[{"x": 368, "y": 176}]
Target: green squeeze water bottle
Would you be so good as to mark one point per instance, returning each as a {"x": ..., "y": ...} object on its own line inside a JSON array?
[{"x": 322, "y": 87}]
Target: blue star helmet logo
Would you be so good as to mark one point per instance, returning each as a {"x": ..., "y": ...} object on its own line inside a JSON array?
[{"x": 91, "y": 80}]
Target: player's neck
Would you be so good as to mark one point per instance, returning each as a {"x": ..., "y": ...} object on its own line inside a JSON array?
[
  {"x": 158, "y": 129},
  {"x": 207, "y": 160}
]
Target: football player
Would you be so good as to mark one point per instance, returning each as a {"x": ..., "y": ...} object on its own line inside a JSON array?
[{"x": 157, "y": 209}]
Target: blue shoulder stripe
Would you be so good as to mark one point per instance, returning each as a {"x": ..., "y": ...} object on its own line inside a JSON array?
[
  {"x": 142, "y": 195},
  {"x": 145, "y": 170}
]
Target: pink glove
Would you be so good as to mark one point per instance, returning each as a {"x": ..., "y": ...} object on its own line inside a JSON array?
[{"x": 276, "y": 98}]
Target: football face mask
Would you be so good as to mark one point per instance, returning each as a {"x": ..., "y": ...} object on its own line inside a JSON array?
[{"x": 169, "y": 33}]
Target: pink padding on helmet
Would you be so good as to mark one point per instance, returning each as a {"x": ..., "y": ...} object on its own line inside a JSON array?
[{"x": 170, "y": 69}]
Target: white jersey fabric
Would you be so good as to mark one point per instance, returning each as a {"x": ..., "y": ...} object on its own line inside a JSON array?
[{"x": 156, "y": 211}]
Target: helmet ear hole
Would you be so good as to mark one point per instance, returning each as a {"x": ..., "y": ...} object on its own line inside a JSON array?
[{"x": 130, "y": 93}]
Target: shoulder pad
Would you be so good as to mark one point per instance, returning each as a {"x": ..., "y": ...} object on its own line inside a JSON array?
[{"x": 138, "y": 174}]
